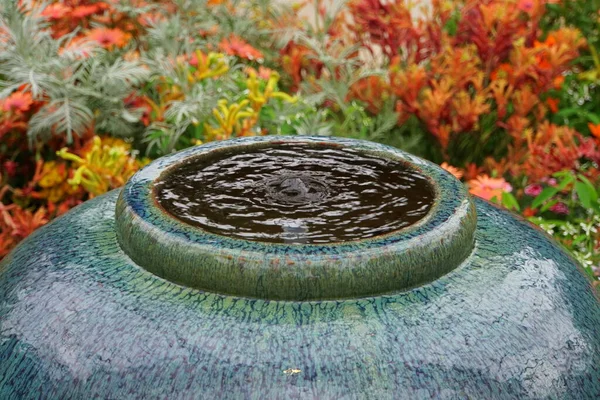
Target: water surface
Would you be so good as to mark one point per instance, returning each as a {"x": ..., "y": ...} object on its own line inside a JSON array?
[{"x": 295, "y": 193}]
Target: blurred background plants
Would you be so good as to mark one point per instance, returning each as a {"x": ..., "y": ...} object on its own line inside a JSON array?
[{"x": 502, "y": 93}]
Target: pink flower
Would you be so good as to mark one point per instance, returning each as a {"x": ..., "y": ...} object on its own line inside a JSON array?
[
  {"x": 488, "y": 188},
  {"x": 533, "y": 190},
  {"x": 527, "y": 6},
  {"x": 560, "y": 208}
]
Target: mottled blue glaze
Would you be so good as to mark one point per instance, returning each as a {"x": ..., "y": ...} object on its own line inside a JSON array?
[{"x": 79, "y": 319}]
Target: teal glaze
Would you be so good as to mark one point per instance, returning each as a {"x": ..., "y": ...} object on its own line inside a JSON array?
[{"x": 79, "y": 319}]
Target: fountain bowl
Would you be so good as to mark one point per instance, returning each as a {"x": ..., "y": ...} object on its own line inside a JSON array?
[{"x": 119, "y": 298}]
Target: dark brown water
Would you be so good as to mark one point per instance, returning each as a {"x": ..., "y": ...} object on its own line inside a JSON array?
[{"x": 295, "y": 193}]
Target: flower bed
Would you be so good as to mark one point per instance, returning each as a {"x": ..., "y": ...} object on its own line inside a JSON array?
[{"x": 502, "y": 93}]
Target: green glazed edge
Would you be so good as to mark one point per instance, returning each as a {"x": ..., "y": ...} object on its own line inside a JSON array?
[{"x": 187, "y": 255}]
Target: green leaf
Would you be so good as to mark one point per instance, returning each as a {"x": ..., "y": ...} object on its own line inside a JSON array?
[
  {"x": 593, "y": 118},
  {"x": 590, "y": 187},
  {"x": 567, "y": 112},
  {"x": 584, "y": 194},
  {"x": 546, "y": 194},
  {"x": 509, "y": 201},
  {"x": 587, "y": 193},
  {"x": 567, "y": 180},
  {"x": 452, "y": 24},
  {"x": 578, "y": 239}
]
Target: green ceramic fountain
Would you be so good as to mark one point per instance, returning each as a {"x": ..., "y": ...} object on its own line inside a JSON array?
[{"x": 295, "y": 267}]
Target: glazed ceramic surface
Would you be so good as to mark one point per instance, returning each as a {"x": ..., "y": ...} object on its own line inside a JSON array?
[
  {"x": 185, "y": 254},
  {"x": 492, "y": 309}
]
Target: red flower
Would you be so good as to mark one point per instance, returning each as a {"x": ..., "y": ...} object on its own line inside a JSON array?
[
  {"x": 531, "y": 7},
  {"x": 533, "y": 190},
  {"x": 553, "y": 104},
  {"x": 17, "y": 102},
  {"x": 560, "y": 208},
  {"x": 141, "y": 103},
  {"x": 234, "y": 46},
  {"x": 10, "y": 167}
]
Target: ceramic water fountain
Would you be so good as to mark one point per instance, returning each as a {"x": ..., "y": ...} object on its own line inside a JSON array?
[{"x": 294, "y": 267}]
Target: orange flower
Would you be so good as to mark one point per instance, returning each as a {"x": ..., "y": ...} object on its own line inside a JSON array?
[
  {"x": 56, "y": 11},
  {"x": 489, "y": 188},
  {"x": 553, "y": 104},
  {"x": 558, "y": 82},
  {"x": 18, "y": 101},
  {"x": 22, "y": 222},
  {"x": 529, "y": 212},
  {"x": 235, "y": 46},
  {"x": 503, "y": 71},
  {"x": 594, "y": 129},
  {"x": 457, "y": 172},
  {"x": 550, "y": 41},
  {"x": 542, "y": 62},
  {"x": 109, "y": 37}
]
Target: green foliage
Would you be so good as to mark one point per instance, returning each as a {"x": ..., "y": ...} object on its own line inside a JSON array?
[
  {"x": 196, "y": 25},
  {"x": 580, "y": 94},
  {"x": 582, "y": 14},
  {"x": 81, "y": 84},
  {"x": 576, "y": 225}
]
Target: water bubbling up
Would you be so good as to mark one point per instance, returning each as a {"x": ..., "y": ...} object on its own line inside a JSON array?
[{"x": 295, "y": 193}]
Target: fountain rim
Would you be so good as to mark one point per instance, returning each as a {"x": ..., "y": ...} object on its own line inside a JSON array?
[{"x": 186, "y": 254}]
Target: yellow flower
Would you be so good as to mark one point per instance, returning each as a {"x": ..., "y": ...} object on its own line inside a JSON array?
[
  {"x": 259, "y": 98},
  {"x": 53, "y": 174},
  {"x": 53, "y": 181},
  {"x": 239, "y": 118},
  {"x": 231, "y": 119},
  {"x": 207, "y": 66},
  {"x": 105, "y": 164}
]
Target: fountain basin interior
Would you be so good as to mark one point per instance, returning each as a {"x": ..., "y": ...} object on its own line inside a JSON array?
[
  {"x": 126, "y": 296},
  {"x": 302, "y": 193}
]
